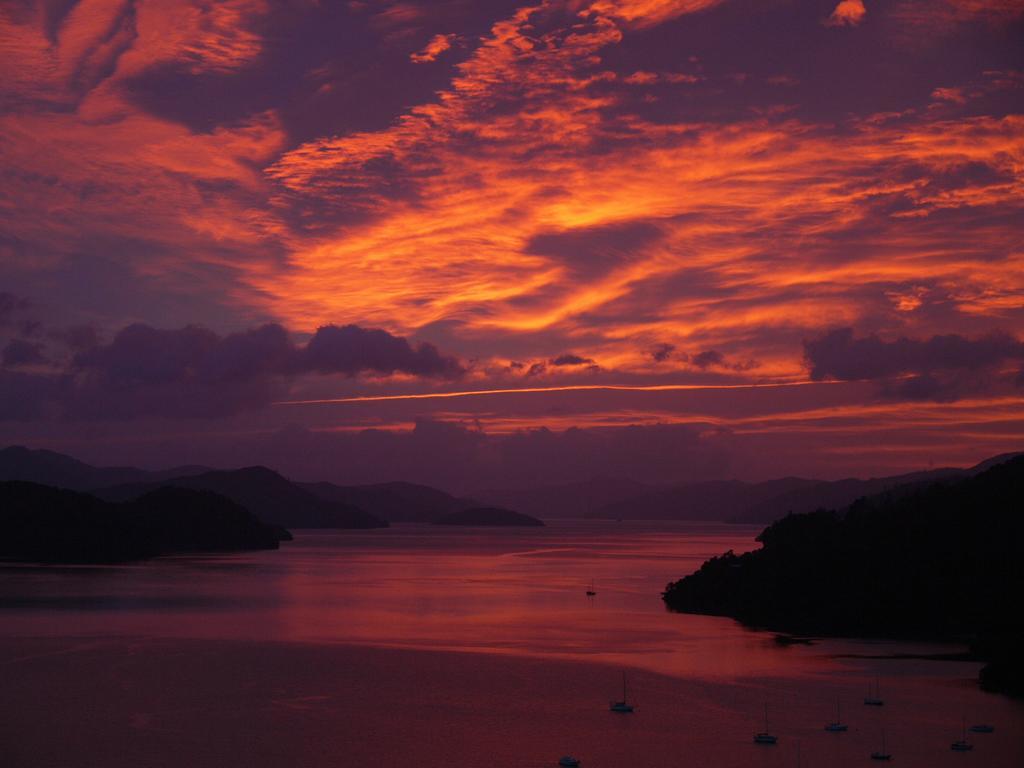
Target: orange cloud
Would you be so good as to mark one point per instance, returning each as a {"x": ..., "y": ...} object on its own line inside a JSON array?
[
  {"x": 955, "y": 95},
  {"x": 534, "y": 205},
  {"x": 647, "y": 13},
  {"x": 397, "y": 15},
  {"x": 641, "y": 78},
  {"x": 103, "y": 42},
  {"x": 848, "y": 13},
  {"x": 438, "y": 44},
  {"x": 83, "y": 160},
  {"x": 455, "y": 244}
]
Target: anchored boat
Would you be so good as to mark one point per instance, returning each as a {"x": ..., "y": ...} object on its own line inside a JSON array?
[
  {"x": 837, "y": 725},
  {"x": 765, "y": 736},
  {"x": 623, "y": 705},
  {"x": 883, "y": 753}
]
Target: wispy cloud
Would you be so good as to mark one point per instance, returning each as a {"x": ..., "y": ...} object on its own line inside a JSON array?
[{"x": 438, "y": 44}]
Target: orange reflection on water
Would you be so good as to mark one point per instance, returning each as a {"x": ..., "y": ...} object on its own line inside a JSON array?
[{"x": 518, "y": 592}]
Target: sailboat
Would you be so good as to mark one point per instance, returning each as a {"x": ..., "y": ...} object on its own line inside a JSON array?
[
  {"x": 874, "y": 699},
  {"x": 881, "y": 754},
  {"x": 621, "y": 706},
  {"x": 962, "y": 744},
  {"x": 764, "y": 737},
  {"x": 837, "y": 725},
  {"x": 591, "y": 592}
]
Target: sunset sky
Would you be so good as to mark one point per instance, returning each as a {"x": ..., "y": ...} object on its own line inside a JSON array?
[{"x": 664, "y": 239}]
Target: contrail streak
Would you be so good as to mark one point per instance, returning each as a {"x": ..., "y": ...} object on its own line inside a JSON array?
[{"x": 565, "y": 388}]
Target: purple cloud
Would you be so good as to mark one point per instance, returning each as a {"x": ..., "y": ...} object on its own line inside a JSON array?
[
  {"x": 838, "y": 355},
  {"x": 943, "y": 367},
  {"x": 9, "y": 305},
  {"x": 662, "y": 352},
  {"x": 21, "y": 352},
  {"x": 570, "y": 359},
  {"x": 352, "y": 350},
  {"x": 708, "y": 358},
  {"x": 196, "y": 373},
  {"x": 27, "y": 396}
]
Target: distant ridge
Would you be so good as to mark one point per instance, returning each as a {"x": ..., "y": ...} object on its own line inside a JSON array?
[
  {"x": 731, "y": 501},
  {"x": 62, "y": 471},
  {"x": 396, "y": 502},
  {"x": 711, "y": 500},
  {"x": 837, "y": 494},
  {"x": 597, "y": 498},
  {"x": 263, "y": 492},
  {"x": 383, "y": 502}
]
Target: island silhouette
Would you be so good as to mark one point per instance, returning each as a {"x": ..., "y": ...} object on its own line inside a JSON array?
[
  {"x": 488, "y": 516},
  {"x": 938, "y": 561},
  {"x": 54, "y": 525}
]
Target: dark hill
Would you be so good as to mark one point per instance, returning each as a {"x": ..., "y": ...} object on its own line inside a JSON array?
[
  {"x": 44, "y": 524},
  {"x": 266, "y": 494},
  {"x": 395, "y": 502},
  {"x": 945, "y": 560},
  {"x": 578, "y": 499},
  {"x": 1002, "y": 458},
  {"x": 495, "y": 516},
  {"x": 61, "y": 471}
]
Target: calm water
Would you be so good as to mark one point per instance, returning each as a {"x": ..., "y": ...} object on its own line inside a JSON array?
[{"x": 335, "y": 626}]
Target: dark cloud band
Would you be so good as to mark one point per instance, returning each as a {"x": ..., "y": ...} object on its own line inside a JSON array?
[
  {"x": 943, "y": 367},
  {"x": 194, "y": 372}
]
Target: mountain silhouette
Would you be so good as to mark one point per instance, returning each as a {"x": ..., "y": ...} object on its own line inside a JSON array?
[
  {"x": 40, "y": 523},
  {"x": 266, "y": 494},
  {"x": 395, "y": 502},
  {"x": 760, "y": 503},
  {"x": 61, "y": 471},
  {"x": 601, "y": 497}
]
